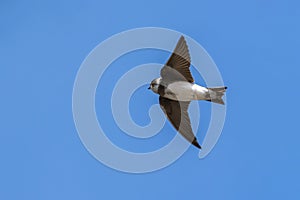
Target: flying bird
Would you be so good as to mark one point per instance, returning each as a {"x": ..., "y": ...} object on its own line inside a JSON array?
[{"x": 176, "y": 89}]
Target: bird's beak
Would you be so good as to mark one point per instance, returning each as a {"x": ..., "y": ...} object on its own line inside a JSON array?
[{"x": 149, "y": 88}]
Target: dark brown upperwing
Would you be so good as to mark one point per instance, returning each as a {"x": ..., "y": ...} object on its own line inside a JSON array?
[
  {"x": 178, "y": 66},
  {"x": 177, "y": 113}
]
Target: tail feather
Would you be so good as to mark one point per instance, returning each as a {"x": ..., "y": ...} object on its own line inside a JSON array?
[{"x": 216, "y": 94}]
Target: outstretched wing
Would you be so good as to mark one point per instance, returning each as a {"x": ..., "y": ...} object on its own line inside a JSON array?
[
  {"x": 178, "y": 66},
  {"x": 177, "y": 113}
]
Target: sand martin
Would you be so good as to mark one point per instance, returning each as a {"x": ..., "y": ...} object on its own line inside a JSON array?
[{"x": 176, "y": 89}]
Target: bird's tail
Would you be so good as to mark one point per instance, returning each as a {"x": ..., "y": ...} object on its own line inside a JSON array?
[{"x": 216, "y": 94}]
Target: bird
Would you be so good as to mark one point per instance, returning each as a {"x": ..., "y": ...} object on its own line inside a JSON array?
[{"x": 176, "y": 89}]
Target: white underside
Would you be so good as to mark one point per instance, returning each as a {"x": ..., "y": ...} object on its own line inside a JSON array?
[{"x": 185, "y": 91}]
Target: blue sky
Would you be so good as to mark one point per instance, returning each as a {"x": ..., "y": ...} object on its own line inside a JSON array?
[{"x": 255, "y": 44}]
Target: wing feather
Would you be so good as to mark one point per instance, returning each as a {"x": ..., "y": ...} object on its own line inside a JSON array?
[
  {"x": 177, "y": 67},
  {"x": 177, "y": 113}
]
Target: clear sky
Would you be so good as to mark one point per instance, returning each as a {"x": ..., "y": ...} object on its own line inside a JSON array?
[{"x": 255, "y": 45}]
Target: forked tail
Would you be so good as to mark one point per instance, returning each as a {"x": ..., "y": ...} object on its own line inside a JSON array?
[{"x": 216, "y": 94}]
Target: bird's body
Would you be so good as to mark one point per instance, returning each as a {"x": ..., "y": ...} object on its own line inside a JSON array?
[
  {"x": 176, "y": 89},
  {"x": 185, "y": 91}
]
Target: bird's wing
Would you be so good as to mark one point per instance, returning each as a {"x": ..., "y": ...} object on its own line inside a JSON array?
[
  {"x": 178, "y": 66},
  {"x": 177, "y": 113}
]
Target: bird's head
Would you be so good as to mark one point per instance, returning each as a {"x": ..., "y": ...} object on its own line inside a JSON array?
[{"x": 154, "y": 85}]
